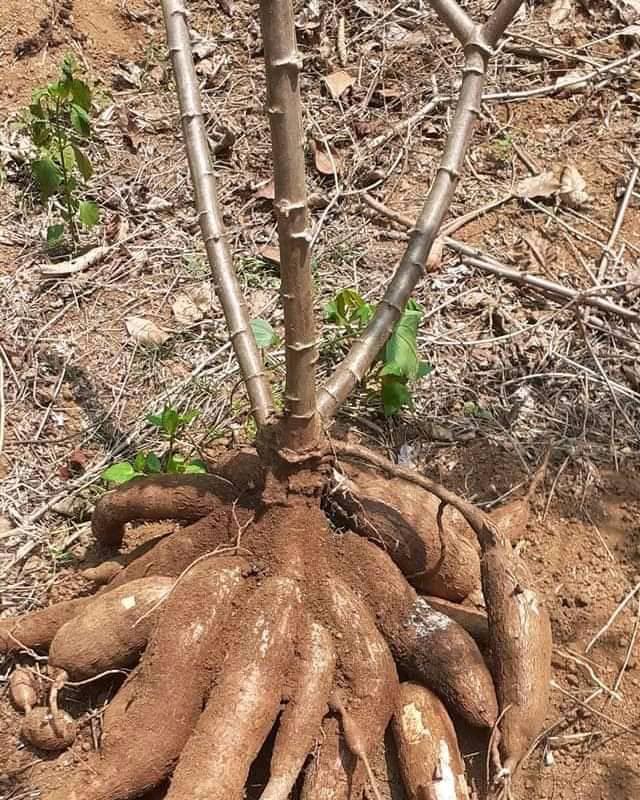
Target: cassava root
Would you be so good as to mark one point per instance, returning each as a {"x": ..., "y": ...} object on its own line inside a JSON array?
[
  {"x": 244, "y": 703},
  {"x": 300, "y": 724},
  {"x": 111, "y": 631},
  {"x": 428, "y": 646},
  {"x": 306, "y": 634},
  {"x": 148, "y": 723},
  {"x": 303, "y": 637},
  {"x": 430, "y": 762},
  {"x": 402, "y": 519}
]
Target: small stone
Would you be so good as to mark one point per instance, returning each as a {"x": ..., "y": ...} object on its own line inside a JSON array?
[{"x": 73, "y": 507}]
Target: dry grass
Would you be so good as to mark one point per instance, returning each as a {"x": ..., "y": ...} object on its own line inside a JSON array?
[{"x": 511, "y": 367}]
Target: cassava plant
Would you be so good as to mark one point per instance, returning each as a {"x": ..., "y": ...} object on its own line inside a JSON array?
[
  {"x": 269, "y": 618},
  {"x": 171, "y": 425},
  {"x": 60, "y": 128}
]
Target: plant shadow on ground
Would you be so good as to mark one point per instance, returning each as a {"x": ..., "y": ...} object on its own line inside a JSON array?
[{"x": 86, "y": 395}]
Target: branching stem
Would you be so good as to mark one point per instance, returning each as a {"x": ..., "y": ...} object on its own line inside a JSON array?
[
  {"x": 283, "y": 63},
  {"x": 478, "y": 42},
  {"x": 210, "y": 218}
]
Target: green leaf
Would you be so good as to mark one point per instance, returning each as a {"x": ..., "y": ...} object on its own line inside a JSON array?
[
  {"x": 121, "y": 472},
  {"x": 424, "y": 369},
  {"x": 195, "y": 467},
  {"x": 155, "y": 420},
  {"x": 175, "y": 464},
  {"x": 80, "y": 120},
  {"x": 59, "y": 90},
  {"x": 331, "y": 311},
  {"x": 81, "y": 94},
  {"x": 189, "y": 416},
  {"x": 35, "y": 109},
  {"x": 402, "y": 349},
  {"x": 264, "y": 334},
  {"x": 347, "y": 308},
  {"x": 89, "y": 213},
  {"x": 47, "y": 177},
  {"x": 395, "y": 395},
  {"x": 68, "y": 65},
  {"x": 471, "y": 409},
  {"x": 392, "y": 369},
  {"x": 139, "y": 462},
  {"x": 54, "y": 232},
  {"x": 170, "y": 421},
  {"x": 72, "y": 185},
  {"x": 83, "y": 163},
  {"x": 364, "y": 313},
  {"x": 69, "y": 157},
  {"x": 40, "y": 133},
  {"x": 152, "y": 464}
]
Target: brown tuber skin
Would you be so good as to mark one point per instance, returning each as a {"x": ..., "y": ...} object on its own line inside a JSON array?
[
  {"x": 428, "y": 756},
  {"x": 244, "y": 705},
  {"x": 23, "y": 689},
  {"x": 301, "y": 721},
  {"x": 103, "y": 573},
  {"x": 473, "y": 620},
  {"x": 36, "y": 629},
  {"x": 152, "y": 706},
  {"x": 187, "y": 498},
  {"x": 427, "y": 645},
  {"x": 111, "y": 631},
  {"x": 520, "y": 649},
  {"x": 512, "y": 518},
  {"x": 401, "y": 518},
  {"x": 49, "y": 730},
  {"x": 338, "y": 772}
]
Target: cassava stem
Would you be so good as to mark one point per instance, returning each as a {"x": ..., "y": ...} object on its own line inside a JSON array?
[
  {"x": 283, "y": 63},
  {"x": 478, "y": 42},
  {"x": 209, "y": 216}
]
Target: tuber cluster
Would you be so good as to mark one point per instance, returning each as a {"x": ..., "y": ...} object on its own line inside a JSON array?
[{"x": 317, "y": 634}]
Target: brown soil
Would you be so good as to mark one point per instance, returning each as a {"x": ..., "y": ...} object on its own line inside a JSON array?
[{"x": 36, "y": 38}]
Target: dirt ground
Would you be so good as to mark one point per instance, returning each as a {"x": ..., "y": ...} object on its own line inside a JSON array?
[{"x": 515, "y": 372}]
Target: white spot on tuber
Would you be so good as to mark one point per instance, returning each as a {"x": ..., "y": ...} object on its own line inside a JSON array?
[
  {"x": 527, "y": 601},
  {"x": 196, "y": 631},
  {"x": 412, "y": 724},
  {"x": 426, "y": 620},
  {"x": 128, "y": 602},
  {"x": 444, "y": 785},
  {"x": 262, "y": 629}
]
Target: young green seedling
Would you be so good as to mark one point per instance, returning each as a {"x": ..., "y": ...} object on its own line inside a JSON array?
[
  {"x": 59, "y": 126},
  {"x": 172, "y": 425}
]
